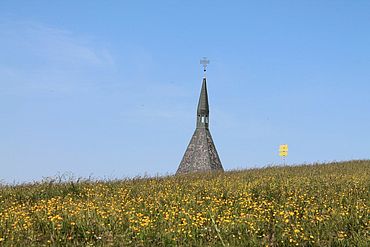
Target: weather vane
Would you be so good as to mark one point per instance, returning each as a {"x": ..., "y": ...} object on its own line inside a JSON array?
[{"x": 204, "y": 61}]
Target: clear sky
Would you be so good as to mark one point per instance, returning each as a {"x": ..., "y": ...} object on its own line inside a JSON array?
[{"x": 109, "y": 89}]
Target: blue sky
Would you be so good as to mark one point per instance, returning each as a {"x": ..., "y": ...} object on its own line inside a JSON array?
[{"x": 109, "y": 89}]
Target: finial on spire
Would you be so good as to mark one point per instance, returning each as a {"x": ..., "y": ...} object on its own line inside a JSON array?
[{"x": 204, "y": 61}]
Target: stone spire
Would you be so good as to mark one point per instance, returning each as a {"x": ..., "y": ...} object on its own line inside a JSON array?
[
  {"x": 203, "y": 107},
  {"x": 201, "y": 153}
]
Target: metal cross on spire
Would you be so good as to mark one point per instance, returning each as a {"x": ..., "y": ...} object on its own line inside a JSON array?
[{"x": 204, "y": 61}]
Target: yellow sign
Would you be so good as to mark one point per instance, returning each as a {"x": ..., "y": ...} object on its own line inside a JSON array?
[{"x": 283, "y": 150}]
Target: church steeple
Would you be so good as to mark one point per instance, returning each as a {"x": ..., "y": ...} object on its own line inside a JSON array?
[{"x": 201, "y": 154}]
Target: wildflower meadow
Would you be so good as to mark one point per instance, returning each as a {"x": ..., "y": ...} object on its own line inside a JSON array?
[{"x": 308, "y": 205}]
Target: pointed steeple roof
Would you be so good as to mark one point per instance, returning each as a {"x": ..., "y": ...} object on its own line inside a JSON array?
[
  {"x": 203, "y": 107},
  {"x": 201, "y": 153}
]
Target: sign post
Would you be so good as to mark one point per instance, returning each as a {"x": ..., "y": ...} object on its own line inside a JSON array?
[{"x": 283, "y": 151}]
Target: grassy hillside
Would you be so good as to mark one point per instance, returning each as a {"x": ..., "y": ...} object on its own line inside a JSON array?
[{"x": 311, "y": 205}]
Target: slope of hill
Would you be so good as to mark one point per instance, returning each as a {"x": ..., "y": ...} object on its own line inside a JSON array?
[{"x": 310, "y": 205}]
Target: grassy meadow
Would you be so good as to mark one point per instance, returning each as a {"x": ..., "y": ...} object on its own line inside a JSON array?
[{"x": 309, "y": 205}]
